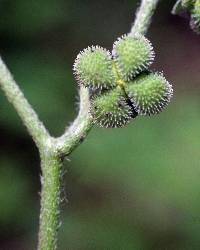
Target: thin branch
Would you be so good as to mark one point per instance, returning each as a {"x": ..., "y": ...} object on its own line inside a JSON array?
[
  {"x": 62, "y": 146},
  {"x": 143, "y": 16},
  {"x": 76, "y": 133},
  {"x": 83, "y": 123},
  {"x": 29, "y": 117}
]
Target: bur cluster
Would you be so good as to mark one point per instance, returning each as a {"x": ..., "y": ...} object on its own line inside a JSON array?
[{"x": 121, "y": 84}]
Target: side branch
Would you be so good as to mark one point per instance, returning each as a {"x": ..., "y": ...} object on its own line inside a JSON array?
[
  {"x": 79, "y": 129},
  {"x": 143, "y": 16},
  {"x": 76, "y": 133},
  {"x": 23, "y": 108}
]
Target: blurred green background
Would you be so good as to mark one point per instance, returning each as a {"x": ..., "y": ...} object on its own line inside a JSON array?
[{"x": 132, "y": 188}]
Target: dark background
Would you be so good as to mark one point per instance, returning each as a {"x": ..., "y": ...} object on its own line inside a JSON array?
[{"x": 131, "y": 188}]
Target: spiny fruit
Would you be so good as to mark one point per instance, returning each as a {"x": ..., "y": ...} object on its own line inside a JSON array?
[
  {"x": 132, "y": 55},
  {"x": 195, "y": 17},
  {"x": 93, "y": 68},
  {"x": 121, "y": 87},
  {"x": 192, "y": 7},
  {"x": 182, "y": 6},
  {"x": 111, "y": 109},
  {"x": 187, "y": 3},
  {"x": 149, "y": 93}
]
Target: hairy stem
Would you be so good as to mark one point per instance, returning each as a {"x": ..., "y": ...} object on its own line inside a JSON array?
[
  {"x": 143, "y": 16},
  {"x": 79, "y": 129},
  {"x": 52, "y": 150},
  {"x": 50, "y": 201},
  {"x": 29, "y": 117}
]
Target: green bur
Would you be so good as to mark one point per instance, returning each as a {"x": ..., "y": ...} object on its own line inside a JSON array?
[
  {"x": 193, "y": 8},
  {"x": 187, "y": 3},
  {"x": 119, "y": 90},
  {"x": 149, "y": 93},
  {"x": 93, "y": 68},
  {"x": 195, "y": 17},
  {"x": 111, "y": 109},
  {"x": 132, "y": 55}
]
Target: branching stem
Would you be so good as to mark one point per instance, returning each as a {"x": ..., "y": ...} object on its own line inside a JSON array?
[{"x": 52, "y": 150}]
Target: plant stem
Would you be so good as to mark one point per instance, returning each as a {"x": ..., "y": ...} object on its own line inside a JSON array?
[
  {"x": 79, "y": 129},
  {"x": 83, "y": 123},
  {"x": 29, "y": 117},
  {"x": 52, "y": 172},
  {"x": 143, "y": 16},
  {"x": 50, "y": 200},
  {"x": 52, "y": 150}
]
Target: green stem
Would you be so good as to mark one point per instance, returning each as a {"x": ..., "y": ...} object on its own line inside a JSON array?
[
  {"x": 143, "y": 16},
  {"x": 50, "y": 201},
  {"x": 52, "y": 150},
  {"x": 76, "y": 133},
  {"x": 29, "y": 117},
  {"x": 52, "y": 171}
]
